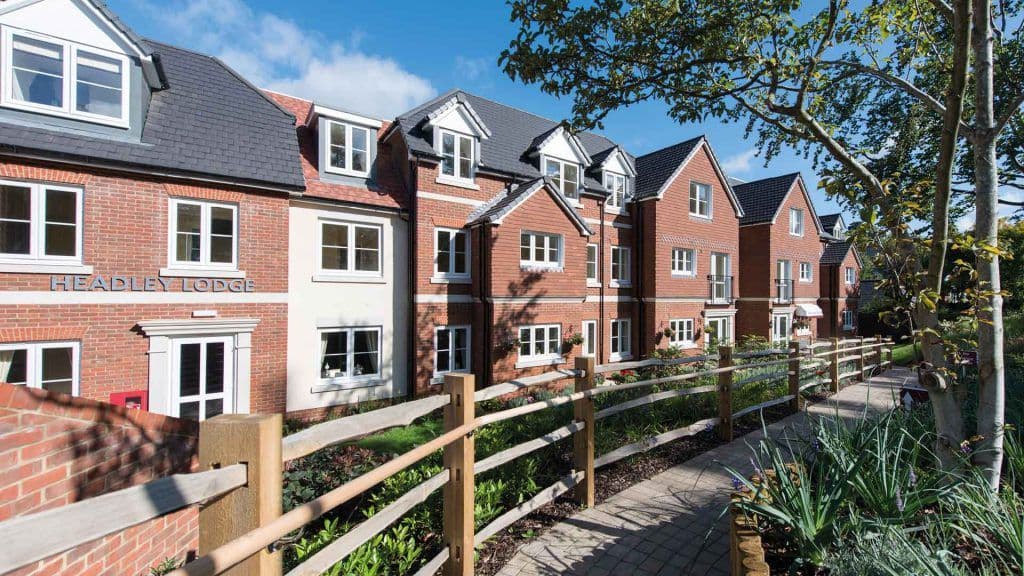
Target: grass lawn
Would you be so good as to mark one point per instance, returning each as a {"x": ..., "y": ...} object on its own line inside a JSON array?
[
  {"x": 401, "y": 440},
  {"x": 906, "y": 354}
]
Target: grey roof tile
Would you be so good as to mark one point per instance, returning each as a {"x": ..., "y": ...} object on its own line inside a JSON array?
[
  {"x": 513, "y": 133},
  {"x": 506, "y": 201},
  {"x": 828, "y": 221},
  {"x": 761, "y": 198},
  {"x": 835, "y": 252},
  {"x": 655, "y": 168},
  {"x": 208, "y": 123}
]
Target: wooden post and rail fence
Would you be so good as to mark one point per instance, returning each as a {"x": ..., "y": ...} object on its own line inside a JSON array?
[{"x": 242, "y": 456}]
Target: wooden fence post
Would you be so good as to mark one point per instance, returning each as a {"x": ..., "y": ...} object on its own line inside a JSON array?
[
  {"x": 794, "y": 375},
  {"x": 458, "y": 492},
  {"x": 836, "y": 346},
  {"x": 880, "y": 350},
  {"x": 255, "y": 440},
  {"x": 583, "y": 440},
  {"x": 862, "y": 355},
  {"x": 725, "y": 393}
]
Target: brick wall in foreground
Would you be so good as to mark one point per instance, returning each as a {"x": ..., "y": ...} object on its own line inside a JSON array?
[{"x": 57, "y": 449}]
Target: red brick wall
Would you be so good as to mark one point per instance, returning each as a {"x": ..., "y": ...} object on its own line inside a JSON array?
[
  {"x": 837, "y": 296},
  {"x": 125, "y": 233},
  {"x": 56, "y": 449}
]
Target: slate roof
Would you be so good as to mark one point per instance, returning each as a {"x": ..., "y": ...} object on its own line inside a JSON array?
[
  {"x": 506, "y": 201},
  {"x": 386, "y": 190},
  {"x": 655, "y": 168},
  {"x": 835, "y": 252},
  {"x": 210, "y": 122},
  {"x": 513, "y": 133},
  {"x": 761, "y": 198},
  {"x": 828, "y": 221}
]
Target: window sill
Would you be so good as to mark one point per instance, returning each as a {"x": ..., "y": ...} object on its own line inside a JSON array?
[
  {"x": 684, "y": 345},
  {"x": 438, "y": 377},
  {"x": 458, "y": 182},
  {"x": 201, "y": 273},
  {"x": 539, "y": 268},
  {"x": 344, "y": 172},
  {"x": 37, "y": 267},
  {"x": 806, "y": 281},
  {"x": 534, "y": 362},
  {"x": 620, "y": 357},
  {"x": 344, "y": 279},
  {"x": 616, "y": 211},
  {"x": 700, "y": 218},
  {"x": 446, "y": 280},
  {"x": 593, "y": 284},
  {"x": 574, "y": 202},
  {"x": 619, "y": 284},
  {"x": 684, "y": 275},
  {"x": 328, "y": 385}
]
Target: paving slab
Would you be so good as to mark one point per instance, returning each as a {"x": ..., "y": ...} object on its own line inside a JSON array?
[{"x": 672, "y": 523}]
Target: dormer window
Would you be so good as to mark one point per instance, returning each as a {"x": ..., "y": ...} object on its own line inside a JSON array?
[
  {"x": 565, "y": 175},
  {"x": 615, "y": 184},
  {"x": 349, "y": 149},
  {"x": 56, "y": 77},
  {"x": 457, "y": 156}
]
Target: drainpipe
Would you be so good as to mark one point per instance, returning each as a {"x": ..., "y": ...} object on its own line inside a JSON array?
[
  {"x": 601, "y": 319},
  {"x": 641, "y": 307},
  {"x": 411, "y": 260}
]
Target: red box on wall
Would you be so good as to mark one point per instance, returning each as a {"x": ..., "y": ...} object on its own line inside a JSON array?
[{"x": 135, "y": 399}]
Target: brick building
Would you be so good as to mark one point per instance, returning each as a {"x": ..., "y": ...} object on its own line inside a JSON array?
[
  {"x": 780, "y": 248},
  {"x": 689, "y": 247},
  {"x": 839, "y": 271},
  {"x": 144, "y": 191}
]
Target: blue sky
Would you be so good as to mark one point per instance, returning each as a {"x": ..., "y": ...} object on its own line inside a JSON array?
[{"x": 382, "y": 58}]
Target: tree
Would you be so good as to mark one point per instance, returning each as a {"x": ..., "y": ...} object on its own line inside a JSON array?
[{"x": 815, "y": 80}]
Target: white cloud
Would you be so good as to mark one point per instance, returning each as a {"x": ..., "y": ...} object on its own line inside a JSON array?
[
  {"x": 471, "y": 69},
  {"x": 275, "y": 53},
  {"x": 739, "y": 163}
]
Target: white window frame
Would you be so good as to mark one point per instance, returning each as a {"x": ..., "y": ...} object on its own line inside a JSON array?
[
  {"x": 457, "y": 174},
  {"x": 328, "y": 144},
  {"x": 728, "y": 321},
  {"x": 351, "y": 381},
  {"x": 695, "y": 195},
  {"x": 350, "y": 271},
  {"x": 594, "y": 280},
  {"x": 618, "y": 352},
  {"x": 796, "y": 222},
  {"x": 851, "y": 276},
  {"x": 37, "y": 225},
  {"x": 617, "y": 204},
  {"x": 683, "y": 332},
  {"x": 451, "y": 274},
  {"x": 532, "y": 262},
  {"x": 809, "y": 277},
  {"x": 589, "y": 342},
  {"x": 625, "y": 255},
  {"x": 548, "y": 355},
  {"x": 847, "y": 313},
  {"x": 34, "y": 360},
  {"x": 561, "y": 176},
  {"x": 70, "y": 80},
  {"x": 776, "y": 337},
  {"x": 451, "y": 347},
  {"x": 678, "y": 268},
  {"x": 227, "y": 395},
  {"x": 204, "y": 236}
]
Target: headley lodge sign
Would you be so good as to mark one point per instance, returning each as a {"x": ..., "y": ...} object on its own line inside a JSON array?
[{"x": 147, "y": 284}]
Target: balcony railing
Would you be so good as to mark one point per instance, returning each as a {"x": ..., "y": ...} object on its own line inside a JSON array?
[
  {"x": 783, "y": 291},
  {"x": 720, "y": 289}
]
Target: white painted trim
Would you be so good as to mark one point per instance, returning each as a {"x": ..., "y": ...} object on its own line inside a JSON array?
[
  {"x": 719, "y": 313},
  {"x": 205, "y": 231},
  {"x": 37, "y": 227},
  {"x": 445, "y": 299},
  {"x": 531, "y": 299},
  {"x": 342, "y": 116},
  {"x": 197, "y": 326},
  {"x": 592, "y": 298},
  {"x": 201, "y": 273},
  {"x": 47, "y": 298},
  {"x": 621, "y": 225},
  {"x": 676, "y": 300},
  {"x": 449, "y": 198},
  {"x": 28, "y": 268},
  {"x": 348, "y": 279}
]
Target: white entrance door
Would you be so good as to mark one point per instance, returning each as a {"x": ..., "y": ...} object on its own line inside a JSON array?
[
  {"x": 781, "y": 327},
  {"x": 202, "y": 379},
  {"x": 718, "y": 330}
]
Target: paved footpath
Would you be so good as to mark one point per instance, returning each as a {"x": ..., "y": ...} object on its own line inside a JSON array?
[{"x": 673, "y": 523}]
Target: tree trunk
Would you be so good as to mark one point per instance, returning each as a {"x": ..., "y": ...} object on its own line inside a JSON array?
[{"x": 991, "y": 392}]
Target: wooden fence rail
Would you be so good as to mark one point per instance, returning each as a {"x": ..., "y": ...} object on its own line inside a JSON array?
[{"x": 238, "y": 530}]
